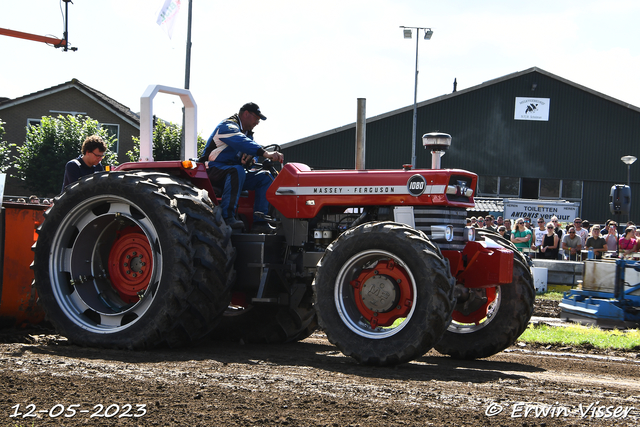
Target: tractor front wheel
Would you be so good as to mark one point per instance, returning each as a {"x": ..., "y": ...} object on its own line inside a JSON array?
[{"x": 382, "y": 295}]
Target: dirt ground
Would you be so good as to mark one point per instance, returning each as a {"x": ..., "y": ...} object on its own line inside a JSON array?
[
  {"x": 46, "y": 381},
  {"x": 546, "y": 308}
]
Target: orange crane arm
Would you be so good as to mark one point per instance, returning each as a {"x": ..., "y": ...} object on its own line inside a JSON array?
[{"x": 27, "y": 36}]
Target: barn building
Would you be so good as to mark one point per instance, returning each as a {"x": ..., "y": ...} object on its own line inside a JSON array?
[{"x": 529, "y": 135}]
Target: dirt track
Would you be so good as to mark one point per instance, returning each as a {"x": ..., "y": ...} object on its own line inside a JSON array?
[{"x": 311, "y": 384}]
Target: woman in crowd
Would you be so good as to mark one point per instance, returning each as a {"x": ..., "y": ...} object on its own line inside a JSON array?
[
  {"x": 612, "y": 237},
  {"x": 521, "y": 237},
  {"x": 550, "y": 241},
  {"x": 627, "y": 243}
]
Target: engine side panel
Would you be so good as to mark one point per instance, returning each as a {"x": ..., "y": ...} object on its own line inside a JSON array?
[{"x": 299, "y": 192}]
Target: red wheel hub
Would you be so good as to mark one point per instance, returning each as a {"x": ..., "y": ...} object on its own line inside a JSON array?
[
  {"x": 130, "y": 264},
  {"x": 383, "y": 293},
  {"x": 480, "y": 313}
]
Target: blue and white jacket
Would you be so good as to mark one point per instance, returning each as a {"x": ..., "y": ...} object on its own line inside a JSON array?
[{"x": 228, "y": 143}]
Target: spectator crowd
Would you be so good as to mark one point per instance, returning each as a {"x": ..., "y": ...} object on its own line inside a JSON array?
[{"x": 574, "y": 241}]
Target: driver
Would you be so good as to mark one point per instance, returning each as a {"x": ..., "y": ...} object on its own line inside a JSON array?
[{"x": 229, "y": 152}]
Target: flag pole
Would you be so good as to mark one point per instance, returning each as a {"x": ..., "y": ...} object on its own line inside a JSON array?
[
  {"x": 187, "y": 75},
  {"x": 188, "y": 65}
]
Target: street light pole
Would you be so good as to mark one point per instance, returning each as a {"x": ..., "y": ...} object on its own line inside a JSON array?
[
  {"x": 628, "y": 160},
  {"x": 427, "y": 36}
]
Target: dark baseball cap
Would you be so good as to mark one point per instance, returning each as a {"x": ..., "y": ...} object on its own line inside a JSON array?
[{"x": 253, "y": 108}]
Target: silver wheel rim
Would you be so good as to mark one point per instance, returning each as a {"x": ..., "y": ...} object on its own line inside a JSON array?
[
  {"x": 344, "y": 295},
  {"x": 80, "y": 248},
  {"x": 468, "y": 328}
]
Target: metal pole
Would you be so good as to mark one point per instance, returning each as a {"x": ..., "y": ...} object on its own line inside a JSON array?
[
  {"x": 415, "y": 107},
  {"x": 188, "y": 66},
  {"x": 629, "y": 185},
  {"x": 361, "y": 126},
  {"x": 66, "y": 25},
  {"x": 187, "y": 74}
]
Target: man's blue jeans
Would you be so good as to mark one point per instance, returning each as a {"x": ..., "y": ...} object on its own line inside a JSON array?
[{"x": 236, "y": 178}]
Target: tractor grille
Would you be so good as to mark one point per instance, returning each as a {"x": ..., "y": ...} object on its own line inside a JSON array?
[{"x": 456, "y": 217}]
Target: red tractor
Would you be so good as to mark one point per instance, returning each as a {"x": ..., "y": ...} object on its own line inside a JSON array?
[{"x": 381, "y": 260}]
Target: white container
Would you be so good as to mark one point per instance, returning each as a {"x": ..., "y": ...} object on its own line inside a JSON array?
[{"x": 540, "y": 278}]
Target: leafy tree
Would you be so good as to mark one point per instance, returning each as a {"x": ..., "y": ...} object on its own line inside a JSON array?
[
  {"x": 41, "y": 159},
  {"x": 4, "y": 151},
  {"x": 167, "y": 138}
]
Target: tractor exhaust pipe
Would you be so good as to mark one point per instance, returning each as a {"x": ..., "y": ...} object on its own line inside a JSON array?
[
  {"x": 438, "y": 143},
  {"x": 361, "y": 126}
]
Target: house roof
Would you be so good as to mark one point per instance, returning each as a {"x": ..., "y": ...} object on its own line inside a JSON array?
[
  {"x": 111, "y": 104},
  {"x": 458, "y": 93}
]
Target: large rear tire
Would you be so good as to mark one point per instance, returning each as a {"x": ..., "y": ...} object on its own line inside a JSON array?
[
  {"x": 114, "y": 266},
  {"x": 383, "y": 293},
  {"x": 497, "y": 324},
  {"x": 212, "y": 252}
]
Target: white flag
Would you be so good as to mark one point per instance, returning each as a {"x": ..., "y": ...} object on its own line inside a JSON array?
[{"x": 166, "y": 16}]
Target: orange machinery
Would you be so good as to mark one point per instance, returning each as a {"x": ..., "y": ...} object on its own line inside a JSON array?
[
  {"x": 55, "y": 42},
  {"x": 18, "y": 299}
]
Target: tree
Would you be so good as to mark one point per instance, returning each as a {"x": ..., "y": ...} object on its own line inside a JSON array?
[
  {"x": 48, "y": 147},
  {"x": 4, "y": 151},
  {"x": 167, "y": 138}
]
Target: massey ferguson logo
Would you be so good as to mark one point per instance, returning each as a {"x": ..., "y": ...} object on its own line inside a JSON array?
[{"x": 416, "y": 185}]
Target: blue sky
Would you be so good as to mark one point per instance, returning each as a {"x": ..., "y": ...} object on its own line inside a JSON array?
[{"x": 306, "y": 63}]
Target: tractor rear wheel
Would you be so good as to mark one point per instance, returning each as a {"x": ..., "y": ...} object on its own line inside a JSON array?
[
  {"x": 497, "y": 323},
  {"x": 114, "y": 266},
  {"x": 383, "y": 295}
]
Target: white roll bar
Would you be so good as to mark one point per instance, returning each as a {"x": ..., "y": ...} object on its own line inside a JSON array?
[{"x": 146, "y": 121}]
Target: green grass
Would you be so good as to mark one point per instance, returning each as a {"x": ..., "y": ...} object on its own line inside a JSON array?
[
  {"x": 554, "y": 296},
  {"x": 578, "y": 335}
]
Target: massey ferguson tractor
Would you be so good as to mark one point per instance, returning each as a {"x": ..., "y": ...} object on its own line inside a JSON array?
[{"x": 381, "y": 260}]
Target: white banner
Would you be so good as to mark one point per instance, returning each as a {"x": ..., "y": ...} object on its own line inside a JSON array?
[
  {"x": 534, "y": 209},
  {"x": 536, "y": 109},
  {"x": 166, "y": 15}
]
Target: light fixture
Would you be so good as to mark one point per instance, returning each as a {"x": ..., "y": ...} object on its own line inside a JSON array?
[
  {"x": 628, "y": 160},
  {"x": 427, "y": 36}
]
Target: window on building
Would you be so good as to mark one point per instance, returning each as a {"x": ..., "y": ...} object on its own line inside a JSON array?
[
  {"x": 498, "y": 186},
  {"x": 549, "y": 188},
  {"x": 33, "y": 122},
  {"x": 571, "y": 189},
  {"x": 530, "y": 188},
  {"x": 113, "y": 130},
  {"x": 509, "y": 186},
  {"x": 488, "y": 185}
]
